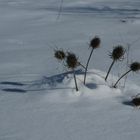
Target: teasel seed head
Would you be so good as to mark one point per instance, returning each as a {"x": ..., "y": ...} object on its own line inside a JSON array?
[
  {"x": 117, "y": 53},
  {"x": 71, "y": 60},
  {"x": 135, "y": 66},
  {"x": 59, "y": 54},
  {"x": 95, "y": 42}
]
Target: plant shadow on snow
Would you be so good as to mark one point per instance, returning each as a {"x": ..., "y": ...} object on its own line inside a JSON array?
[
  {"x": 45, "y": 83},
  {"x": 100, "y": 11},
  {"x": 128, "y": 103},
  {"x": 9, "y": 83},
  {"x": 91, "y": 85},
  {"x": 12, "y": 83},
  {"x": 14, "y": 90}
]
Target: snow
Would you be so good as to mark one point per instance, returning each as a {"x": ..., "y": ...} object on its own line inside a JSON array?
[{"x": 37, "y": 95}]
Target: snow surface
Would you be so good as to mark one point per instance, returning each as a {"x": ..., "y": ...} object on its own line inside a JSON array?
[{"x": 37, "y": 96}]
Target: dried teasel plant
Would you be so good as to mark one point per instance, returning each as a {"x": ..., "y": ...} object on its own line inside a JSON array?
[
  {"x": 116, "y": 55},
  {"x": 94, "y": 44},
  {"x": 59, "y": 54},
  {"x": 72, "y": 63},
  {"x": 134, "y": 67},
  {"x": 136, "y": 100}
]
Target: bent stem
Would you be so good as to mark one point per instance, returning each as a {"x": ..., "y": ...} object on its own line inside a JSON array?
[
  {"x": 121, "y": 78},
  {"x": 82, "y": 65},
  {"x": 87, "y": 66},
  {"x": 76, "y": 87},
  {"x": 109, "y": 69}
]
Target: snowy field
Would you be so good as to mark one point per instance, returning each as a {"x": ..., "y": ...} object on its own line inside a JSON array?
[{"x": 37, "y": 98}]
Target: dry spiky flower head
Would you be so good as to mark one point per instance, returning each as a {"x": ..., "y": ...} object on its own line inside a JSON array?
[
  {"x": 59, "y": 54},
  {"x": 135, "y": 66},
  {"x": 136, "y": 101},
  {"x": 72, "y": 60},
  {"x": 95, "y": 42},
  {"x": 117, "y": 53}
]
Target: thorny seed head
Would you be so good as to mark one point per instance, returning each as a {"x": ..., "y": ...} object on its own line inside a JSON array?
[
  {"x": 136, "y": 101},
  {"x": 95, "y": 42},
  {"x": 117, "y": 53},
  {"x": 59, "y": 54},
  {"x": 72, "y": 60},
  {"x": 135, "y": 66}
]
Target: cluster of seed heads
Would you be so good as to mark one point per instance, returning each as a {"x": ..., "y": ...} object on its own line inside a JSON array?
[
  {"x": 117, "y": 53},
  {"x": 70, "y": 58}
]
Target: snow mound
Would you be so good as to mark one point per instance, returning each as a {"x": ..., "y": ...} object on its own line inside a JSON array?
[
  {"x": 61, "y": 87},
  {"x": 95, "y": 87}
]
